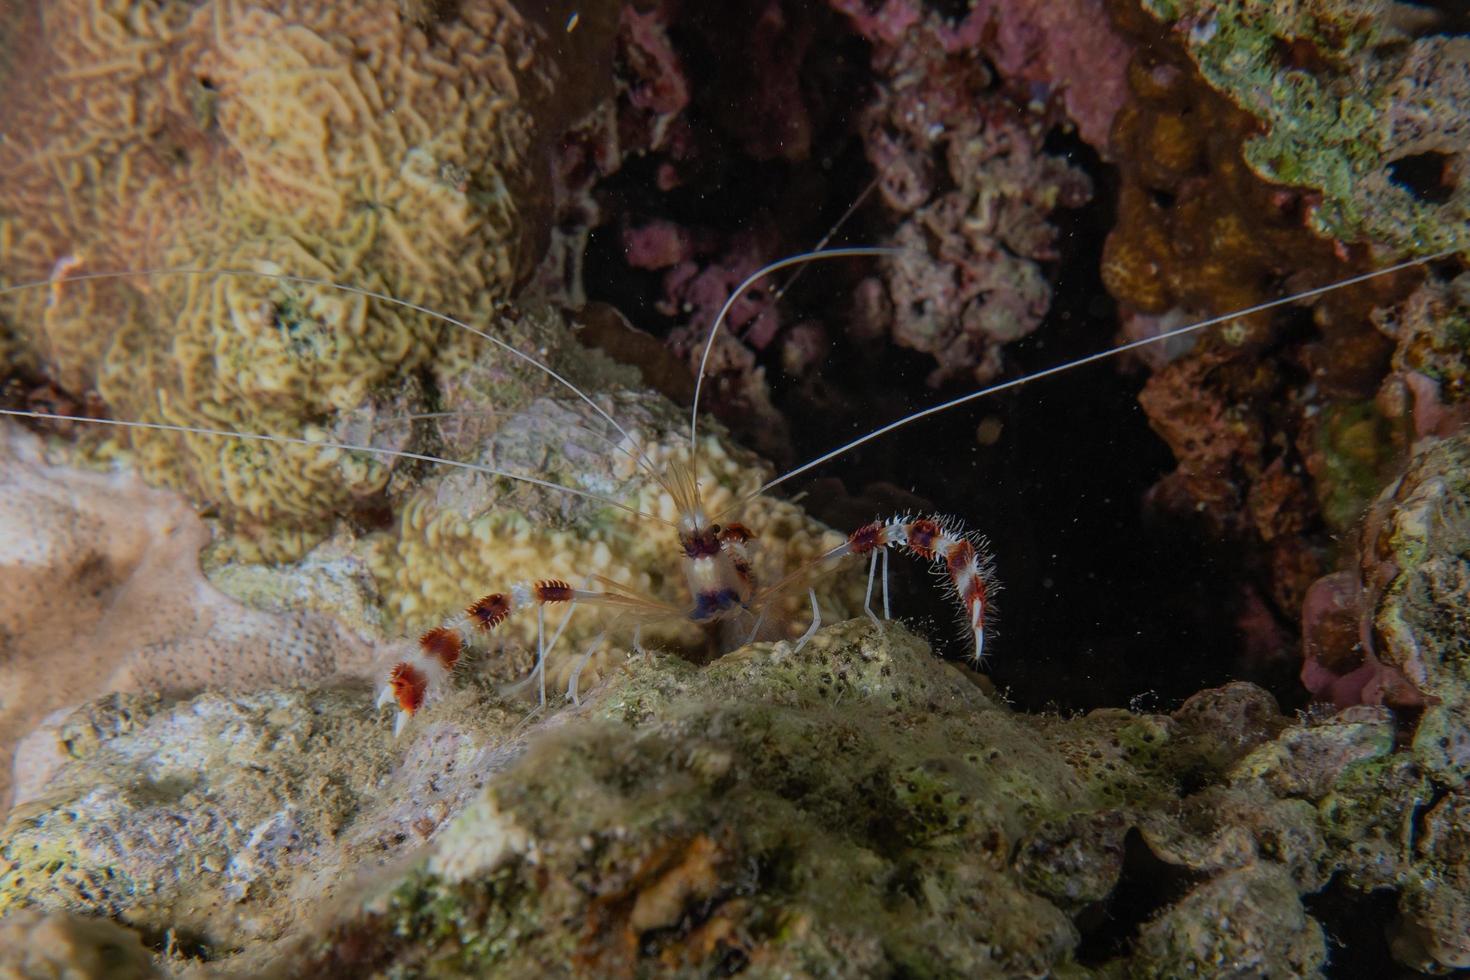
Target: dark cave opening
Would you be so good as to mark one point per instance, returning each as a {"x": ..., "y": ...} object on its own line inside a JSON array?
[{"x": 1103, "y": 604}]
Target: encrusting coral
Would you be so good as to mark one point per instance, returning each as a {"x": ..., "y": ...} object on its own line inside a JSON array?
[
  {"x": 1272, "y": 417},
  {"x": 348, "y": 142},
  {"x": 1363, "y": 104},
  {"x": 853, "y": 805},
  {"x": 973, "y": 186}
]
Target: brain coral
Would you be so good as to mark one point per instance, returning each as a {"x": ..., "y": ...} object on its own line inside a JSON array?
[{"x": 347, "y": 141}]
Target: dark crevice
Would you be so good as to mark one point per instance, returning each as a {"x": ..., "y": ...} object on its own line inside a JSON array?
[
  {"x": 1146, "y": 886},
  {"x": 1425, "y": 175}
]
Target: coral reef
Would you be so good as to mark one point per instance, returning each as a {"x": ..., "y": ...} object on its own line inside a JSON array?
[
  {"x": 183, "y": 816},
  {"x": 1364, "y": 104},
  {"x": 972, "y": 186},
  {"x": 1391, "y": 629},
  {"x": 1430, "y": 381},
  {"x": 298, "y": 137},
  {"x": 1066, "y": 50},
  {"x": 856, "y": 805},
  {"x": 216, "y": 781},
  {"x": 1276, "y": 431}
]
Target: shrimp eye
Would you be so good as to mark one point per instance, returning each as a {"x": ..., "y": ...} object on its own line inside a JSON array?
[{"x": 714, "y": 529}]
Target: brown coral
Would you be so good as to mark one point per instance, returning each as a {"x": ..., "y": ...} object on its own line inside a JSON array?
[
  {"x": 302, "y": 137},
  {"x": 1270, "y": 419}
]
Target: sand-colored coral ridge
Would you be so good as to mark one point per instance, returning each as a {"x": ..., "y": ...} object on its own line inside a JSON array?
[{"x": 346, "y": 142}]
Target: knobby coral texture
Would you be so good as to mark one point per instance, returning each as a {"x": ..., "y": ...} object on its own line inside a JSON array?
[
  {"x": 1363, "y": 103},
  {"x": 949, "y": 116},
  {"x": 972, "y": 185},
  {"x": 683, "y": 821},
  {"x": 1285, "y": 427},
  {"x": 350, "y": 142},
  {"x": 189, "y": 733}
]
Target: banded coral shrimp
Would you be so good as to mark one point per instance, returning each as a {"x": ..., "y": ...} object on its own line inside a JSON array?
[{"x": 715, "y": 561}]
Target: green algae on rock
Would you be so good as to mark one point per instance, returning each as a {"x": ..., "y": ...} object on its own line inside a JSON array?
[
  {"x": 856, "y": 807},
  {"x": 859, "y": 809},
  {"x": 1355, "y": 103}
]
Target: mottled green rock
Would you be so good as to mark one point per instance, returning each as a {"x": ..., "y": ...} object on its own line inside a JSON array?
[
  {"x": 857, "y": 808},
  {"x": 1345, "y": 90}
]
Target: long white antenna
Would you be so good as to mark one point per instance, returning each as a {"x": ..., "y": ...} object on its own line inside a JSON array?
[
  {"x": 326, "y": 444},
  {"x": 1089, "y": 359},
  {"x": 750, "y": 280},
  {"x": 369, "y": 294}
]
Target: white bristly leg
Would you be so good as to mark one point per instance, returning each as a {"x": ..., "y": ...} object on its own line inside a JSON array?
[
  {"x": 816, "y": 622},
  {"x": 541, "y": 650},
  {"x": 886, "y": 613},
  {"x": 868, "y": 595},
  {"x": 560, "y": 627},
  {"x": 757, "y": 627},
  {"x": 577, "y": 671}
]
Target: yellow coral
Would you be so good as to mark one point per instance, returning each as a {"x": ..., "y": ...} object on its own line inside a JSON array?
[{"x": 307, "y": 137}]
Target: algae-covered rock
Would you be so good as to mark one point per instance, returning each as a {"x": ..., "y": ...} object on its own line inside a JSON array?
[
  {"x": 849, "y": 808},
  {"x": 1419, "y": 558},
  {"x": 1361, "y": 102},
  {"x": 856, "y": 807},
  {"x": 1244, "y": 923},
  {"x": 104, "y": 594},
  {"x": 225, "y": 820}
]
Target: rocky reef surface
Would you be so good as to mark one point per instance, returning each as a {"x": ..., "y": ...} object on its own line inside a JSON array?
[
  {"x": 855, "y": 807},
  {"x": 200, "y": 782}
]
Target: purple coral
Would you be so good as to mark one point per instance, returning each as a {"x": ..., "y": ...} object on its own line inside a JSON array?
[{"x": 973, "y": 187}]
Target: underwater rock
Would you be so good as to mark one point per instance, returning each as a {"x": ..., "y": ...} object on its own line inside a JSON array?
[
  {"x": 62, "y": 946},
  {"x": 226, "y": 818},
  {"x": 1364, "y": 104},
  {"x": 856, "y": 804},
  {"x": 298, "y": 137},
  {"x": 1401, "y": 616},
  {"x": 104, "y": 593},
  {"x": 1392, "y": 629},
  {"x": 1430, "y": 383},
  {"x": 1280, "y": 444},
  {"x": 1243, "y": 923},
  {"x": 1068, "y": 50},
  {"x": 1416, "y": 564},
  {"x": 973, "y": 188}
]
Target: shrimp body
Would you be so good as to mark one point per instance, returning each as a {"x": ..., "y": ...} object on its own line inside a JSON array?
[{"x": 717, "y": 569}]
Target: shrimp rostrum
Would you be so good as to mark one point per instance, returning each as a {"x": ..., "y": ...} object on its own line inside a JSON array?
[{"x": 725, "y": 590}]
